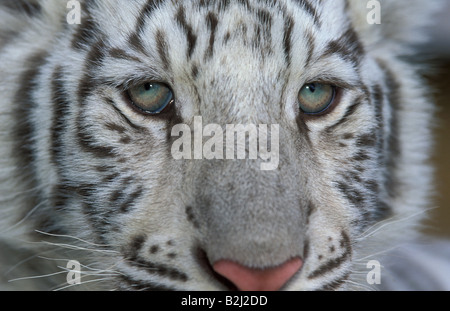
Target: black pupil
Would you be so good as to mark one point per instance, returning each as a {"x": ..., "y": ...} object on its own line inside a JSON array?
[
  {"x": 147, "y": 86},
  {"x": 312, "y": 87}
]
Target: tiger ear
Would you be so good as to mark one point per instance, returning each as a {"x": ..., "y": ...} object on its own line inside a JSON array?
[{"x": 393, "y": 24}]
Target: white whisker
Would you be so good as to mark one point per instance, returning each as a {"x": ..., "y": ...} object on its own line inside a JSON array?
[
  {"x": 364, "y": 286},
  {"x": 37, "y": 276},
  {"x": 26, "y": 260},
  {"x": 75, "y": 247},
  {"x": 367, "y": 233},
  {"x": 70, "y": 237},
  {"x": 25, "y": 218},
  {"x": 82, "y": 283}
]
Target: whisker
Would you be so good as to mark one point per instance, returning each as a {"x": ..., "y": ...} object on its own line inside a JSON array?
[
  {"x": 24, "y": 218},
  {"x": 75, "y": 247},
  {"x": 82, "y": 283},
  {"x": 382, "y": 225},
  {"x": 21, "y": 193},
  {"x": 368, "y": 257},
  {"x": 38, "y": 255},
  {"x": 37, "y": 276},
  {"x": 70, "y": 237},
  {"x": 364, "y": 286}
]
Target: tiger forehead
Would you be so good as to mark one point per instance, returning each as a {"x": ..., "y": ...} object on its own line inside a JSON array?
[
  {"x": 209, "y": 30},
  {"x": 201, "y": 28}
]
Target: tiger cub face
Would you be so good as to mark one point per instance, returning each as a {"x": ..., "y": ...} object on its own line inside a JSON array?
[{"x": 104, "y": 101}]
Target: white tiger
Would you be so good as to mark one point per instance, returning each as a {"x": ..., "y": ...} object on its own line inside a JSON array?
[{"x": 88, "y": 174}]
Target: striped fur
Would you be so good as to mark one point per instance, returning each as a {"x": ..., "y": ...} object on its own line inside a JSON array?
[{"x": 85, "y": 172}]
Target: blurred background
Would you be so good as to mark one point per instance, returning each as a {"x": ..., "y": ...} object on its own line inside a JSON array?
[{"x": 439, "y": 54}]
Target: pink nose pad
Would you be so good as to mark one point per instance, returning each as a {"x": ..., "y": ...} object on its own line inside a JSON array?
[{"x": 248, "y": 279}]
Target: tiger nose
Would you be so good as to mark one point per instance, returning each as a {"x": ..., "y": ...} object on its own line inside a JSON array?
[{"x": 249, "y": 279}]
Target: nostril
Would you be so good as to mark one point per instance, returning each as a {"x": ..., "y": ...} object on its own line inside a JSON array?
[{"x": 249, "y": 279}]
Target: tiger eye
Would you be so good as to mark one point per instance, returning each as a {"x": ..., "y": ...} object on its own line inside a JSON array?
[
  {"x": 315, "y": 98},
  {"x": 151, "y": 97}
]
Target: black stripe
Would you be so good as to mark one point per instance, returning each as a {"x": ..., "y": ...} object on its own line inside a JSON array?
[
  {"x": 361, "y": 156},
  {"x": 136, "y": 244},
  {"x": 115, "y": 128},
  {"x": 116, "y": 196},
  {"x": 303, "y": 127},
  {"x": 211, "y": 22},
  {"x": 122, "y": 131},
  {"x": 86, "y": 190},
  {"x": 88, "y": 143},
  {"x": 335, "y": 284},
  {"x": 377, "y": 102},
  {"x": 287, "y": 38},
  {"x": 367, "y": 140},
  {"x": 310, "y": 209},
  {"x": 265, "y": 19},
  {"x": 25, "y": 130},
  {"x": 194, "y": 71},
  {"x": 110, "y": 178},
  {"x": 163, "y": 49},
  {"x": 60, "y": 196},
  {"x": 311, "y": 46},
  {"x": 85, "y": 87},
  {"x": 61, "y": 107},
  {"x": 86, "y": 34},
  {"x": 353, "y": 176},
  {"x": 162, "y": 270},
  {"x": 372, "y": 186},
  {"x": 348, "y": 113},
  {"x": 24, "y": 104},
  {"x": 83, "y": 195},
  {"x": 393, "y": 143},
  {"x": 122, "y": 54},
  {"x": 132, "y": 198},
  {"x": 244, "y": 3},
  {"x": 93, "y": 60},
  {"x": 336, "y": 262},
  {"x": 354, "y": 196},
  {"x": 191, "y": 217},
  {"x": 139, "y": 285},
  {"x": 136, "y": 128},
  {"x": 136, "y": 43},
  {"x": 96, "y": 214},
  {"x": 309, "y": 8},
  {"x": 135, "y": 39},
  {"x": 190, "y": 36},
  {"x": 223, "y": 5},
  {"x": 383, "y": 210},
  {"x": 348, "y": 47},
  {"x": 146, "y": 12},
  {"x": 306, "y": 249},
  {"x": 125, "y": 139},
  {"x": 22, "y": 6},
  {"x": 220, "y": 4}
]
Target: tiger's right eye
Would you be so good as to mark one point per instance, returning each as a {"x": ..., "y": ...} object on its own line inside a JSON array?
[{"x": 151, "y": 97}]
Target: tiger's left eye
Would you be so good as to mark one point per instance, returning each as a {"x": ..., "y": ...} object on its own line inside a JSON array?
[
  {"x": 151, "y": 97},
  {"x": 316, "y": 98}
]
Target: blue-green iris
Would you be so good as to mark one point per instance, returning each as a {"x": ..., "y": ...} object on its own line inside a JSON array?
[
  {"x": 315, "y": 98},
  {"x": 151, "y": 97}
]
